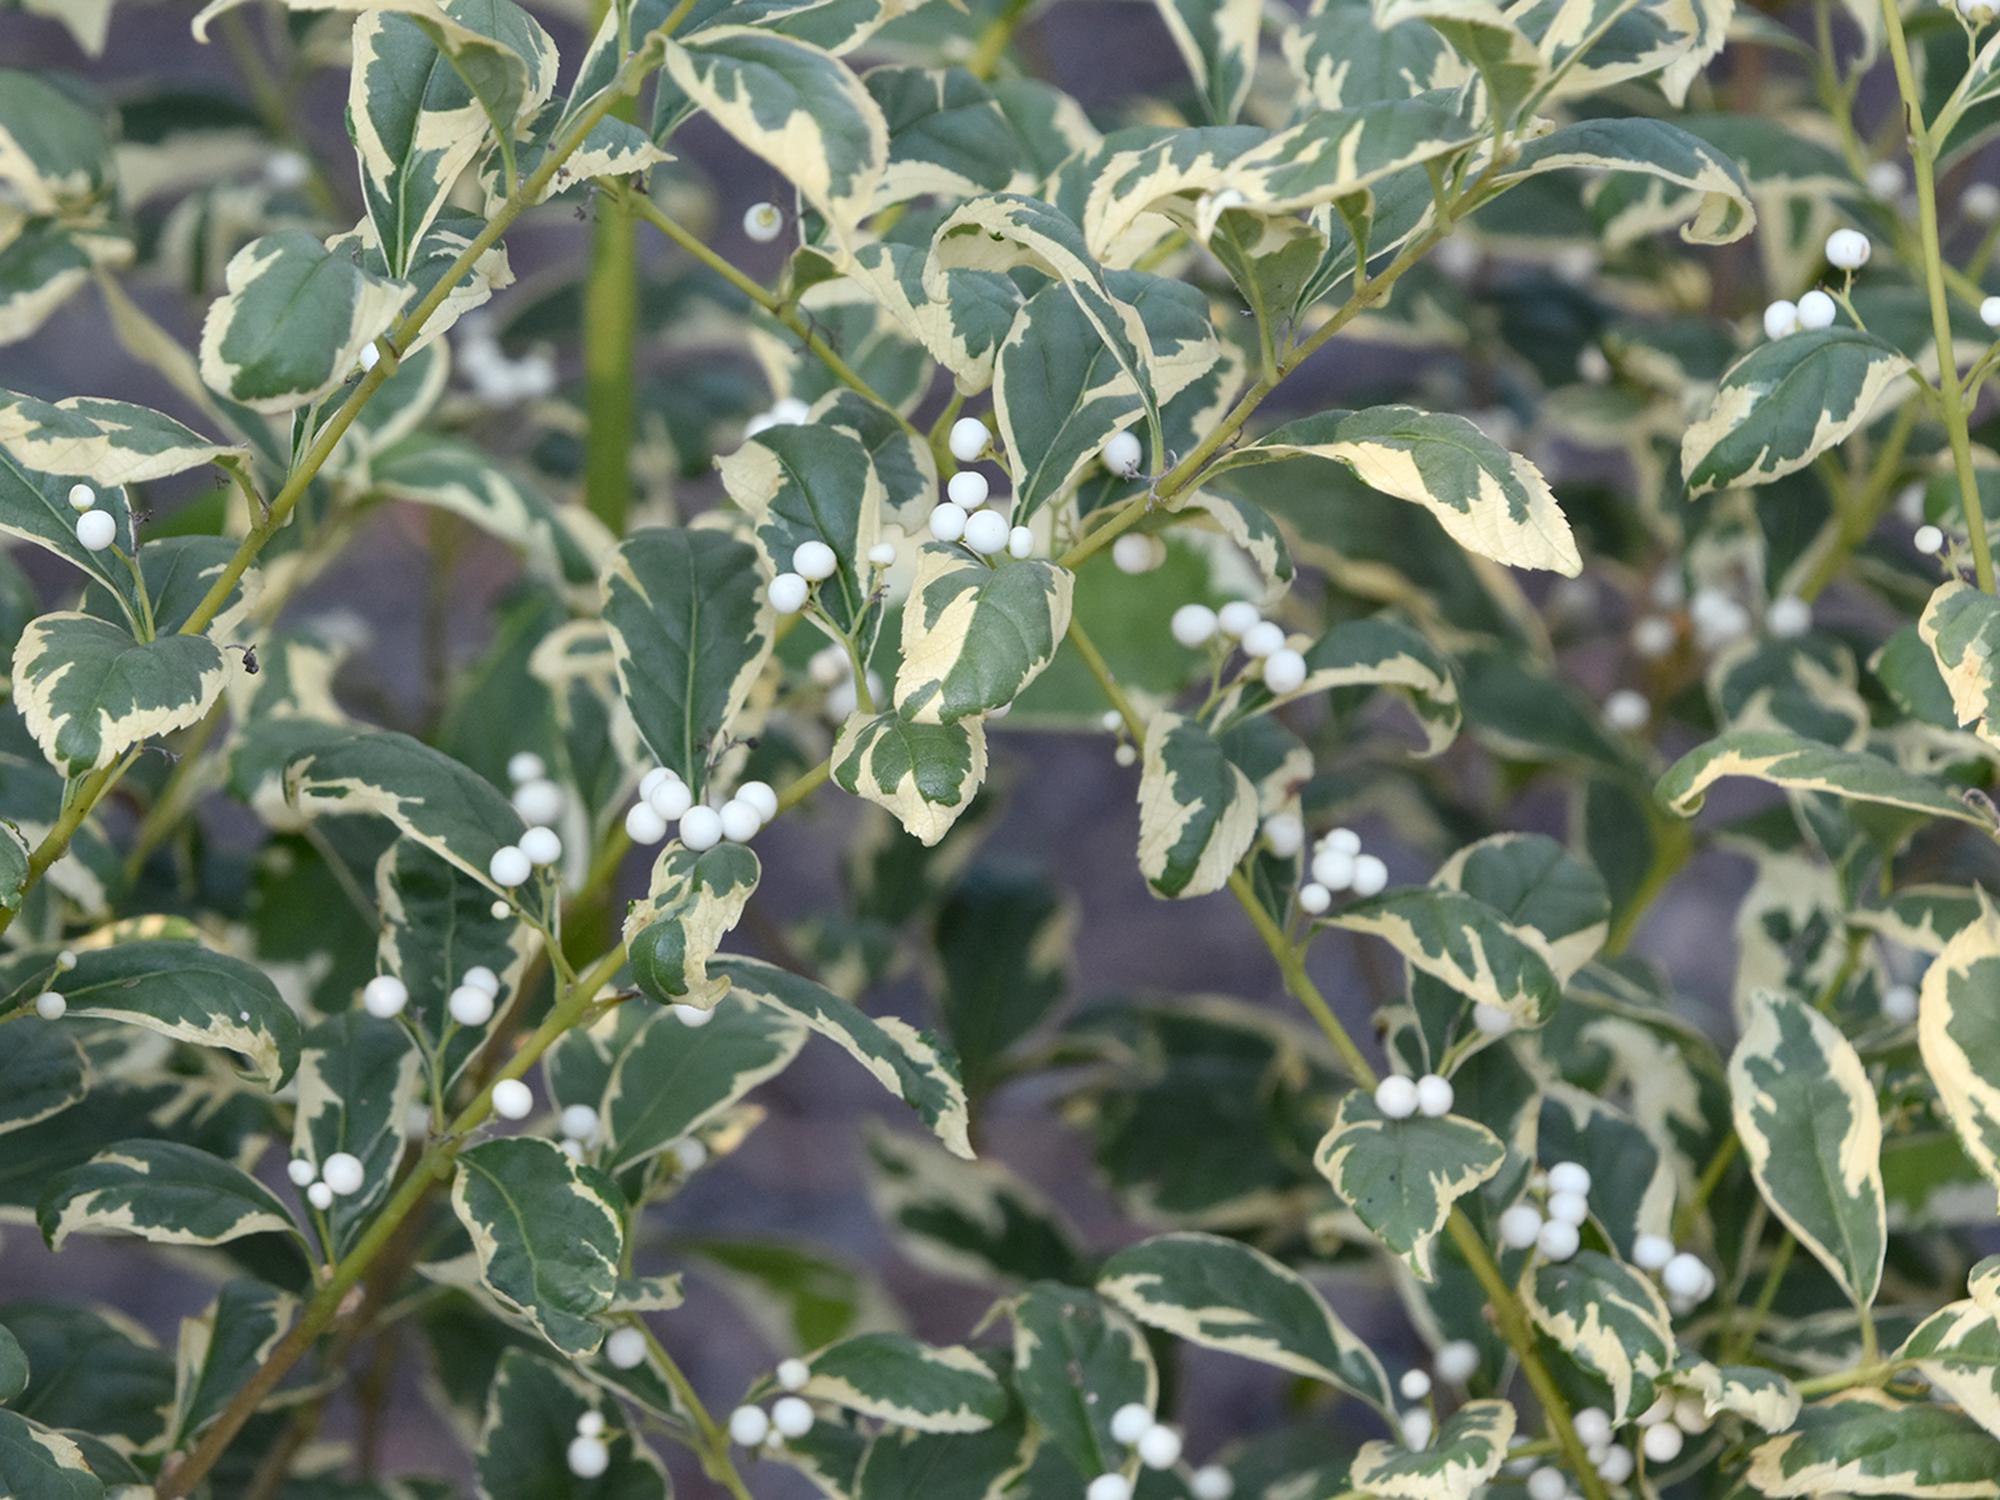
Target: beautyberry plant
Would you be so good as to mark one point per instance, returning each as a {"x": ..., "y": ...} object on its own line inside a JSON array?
[{"x": 1663, "y": 464}]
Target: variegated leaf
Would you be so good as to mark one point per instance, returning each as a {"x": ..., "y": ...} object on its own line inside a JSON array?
[
  {"x": 1535, "y": 883},
  {"x": 960, "y": 329},
  {"x": 1764, "y": 1397},
  {"x": 939, "y": 1466},
  {"x": 1961, "y": 625},
  {"x": 690, "y": 631},
  {"x": 1812, "y": 1133},
  {"x": 222, "y": 1348},
  {"x": 42, "y": 1073},
  {"x": 909, "y": 1063},
  {"x": 1959, "y": 1349},
  {"x": 925, "y": 774},
  {"x": 1225, "y": 1295},
  {"x": 1803, "y": 765},
  {"x": 43, "y": 266},
  {"x": 292, "y": 322},
  {"x": 89, "y": 692},
  {"x": 1982, "y": 1284},
  {"x": 106, "y": 442},
  {"x": 693, "y": 902},
  {"x": 1958, "y": 1029},
  {"x": 437, "y": 801},
  {"x": 948, "y": 135},
  {"x": 671, "y": 1079},
  {"x": 437, "y": 925},
  {"x": 39, "y": 1461},
  {"x": 161, "y": 1191},
  {"x": 1461, "y": 941},
  {"x": 430, "y": 85},
  {"x": 1376, "y": 652},
  {"x": 358, "y": 1079},
  {"x": 1076, "y": 1361},
  {"x": 1867, "y": 1442},
  {"x": 1401, "y": 1177},
  {"x": 812, "y": 483},
  {"x": 1609, "y": 1318},
  {"x": 1486, "y": 39},
  {"x": 1489, "y": 501},
  {"x": 548, "y": 1234},
  {"x": 974, "y": 636},
  {"x": 190, "y": 993},
  {"x": 1218, "y": 42},
  {"x": 1198, "y": 813},
  {"x": 1705, "y": 191},
  {"x": 532, "y": 1410},
  {"x": 563, "y": 543},
  {"x": 1466, "y": 1452},
  {"x": 893, "y": 1377},
  {"x": 1785, "y": 403},
  {"x": 796, "y": 106},
  {"x": 13, "y": 867},
  {"x": 970, "y": 1221},
  {"x": 55, "y": 150},
  {"x": 34, "y": 506}
]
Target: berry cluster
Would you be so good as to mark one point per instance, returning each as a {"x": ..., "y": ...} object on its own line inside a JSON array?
[{"x": 665, "y": 799}]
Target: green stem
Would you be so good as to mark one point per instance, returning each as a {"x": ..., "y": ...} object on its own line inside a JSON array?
[
  {"x": 1767, "y": 1294},
  {"x": 1951, "y": 397},
  {"x": 610, "y": 344},
  {"x": 712, "y": 1446},
  {"x": 993, "y": 42}
]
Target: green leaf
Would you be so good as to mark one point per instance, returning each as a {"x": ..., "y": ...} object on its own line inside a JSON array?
[
  {"x": 1868, "y": 1443},
  {"x": 1002, "y": 943},
  {"x": 42, "y": 1073},
  {"x": 948, "y": 135},
  {"x": 924, "y": 1387},
  {"x": 425, "y": 93},
  {"x": 1489, "y": 501},
  {"x": 191, "y": 993},
  {"x": 693, "y": 903},
  {"x": 1225, "y": 1295},
  {"x": 439, "y": 803},
  {"x": 974, "y": 636},
  {"x": 1803, "y": 765},
  {"x": 222, "y": 1348},
  {"x": 92, "y": 1371},
  {"x": 1609, "y": 1318},
  {"x": 547, "y": 1232},
  {"x": 1466, "y": 1452},
  {"x": 55, "y": 153},
  {"x": 901, "y": 1465},
  {"x": 358, "y": 1079},
  {"x": 1076, "y": 1361},
  {"x": 1812, "y": 1133},
  {"x": 1785, "y": 403},
  {"x": 924, "y": 774},
  {"x": 1958, "y": 1023},
  {"x": 1695, "y": 184},
  {"x": 794, "y": 105},
  {"x": 89, "y": 692},
  {"x": 690, "y": 631},
  {"x": 293, "y": 322},
  {"x": 13, "y": 1366},
  {"x": 1402, "y": 1176},
  {"x": 970, "y": 1221},
  {"x": 161, "y": 1191},
  {"x": 106, "y": 442},
  {"x": 532, "y": 1409},
  {"x": 35, "y": 1461},
  {"x": 671, "y": 1079},
  {"x": 1197, "y": 811},
  {"x": 1464, "y": 943},
  {"x": 811, "y": 483},
  {"x": 909, "y": 1063},
  {"x": 1218, "y": 42}
]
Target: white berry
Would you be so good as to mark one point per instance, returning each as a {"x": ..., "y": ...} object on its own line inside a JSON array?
[
  {"x": 1627, "y": 710},
  {"x": 1653, "y": 637},
  {"x": 701, "y": 828},
  {"x": 1109, "y": 1487},
  {"x": 470, "y": 1005},
  {"x": 302, "y": 1172},
  {"x": 969, "y": 438},
  {"x": 1788, "y": 617},
  {"x": 1490, "y": 1020},
  {"x": 1989, "y": 313},
  {"x": 578, "y": 1122},
  {"x": 590, "y": 1424},
  {"x": 1593, "y": 1426},
  {"x": 788, "y": 593},
  {"x": 1558, "y": 1240},
  {"x": 1616, "y": 1466},
  {"x": 541, "y": 845},
  {"x": 66, "y": 960},
  {"x": 1569, "y": 1177},
  {"x": 882, "y": 554},
  {"x": 1663, "y": 1443},
  {"x": 1396, "y": 1097},
  {"x": 509, "y": 867},
  {"x": 524, "y": 766},
  {"x": 1457, "y": 1361},
  {"x": 1650, "y": 1252},
  {"x": 1135, "y": 553},
  {"x": 320, "y": 1196},
  {"x": 512, "y": 1099},
  {"x": 692, "y": 1015},
  {"x": 986, "y": 532},
  {"x": 1263, "y": 639},
  {"x": 1848, "y": 249},
  {"x": 1929, "y": 539},
  {"x": 1212, "y": 1482},
  {"x": 740, "y": 820},
  {"x": 342, "y": 1173},
  {"x": 81, "y": 497},
  {"x": 538, "y": 800},
  {"x": 1899, "y": 1003},
  {"x": 588, "y": 1457},
  {"x": 1237, "y": 618},
  {"x": 1371, "y": 876},
  {"x": 1781, "y": 318},
  {"x": 1547, "y": 1484},
  {"x": 1159, "y": 1447},
  {"x": 1980, "y": 202},
  {"x": 483, "y": 978},
  {"x": 760, "y": 796},
  {"x": 1520, "y": 1225},
  {"x": 643, "y": 826},
  {"x": 1817, "y": 310},
  {"x": 626, "y": 1348},
  {"x": 1193, "y": 625},
  {"x": 1415, "y": 1385},
  {"x": 1314, "y": 898},
  {"x": 763, "y": 222},
  {"x": 1685, "y": 1275},
  {"x": 50, "y": 1006},
  {"x": 1131, "y": 1422},
  {"x": 1020, "y": 542},
  {"x": 792, "y": 1416},
  {"x": 1417, "y": 1428},
  {"x": 967, "y": 488},
  {"x": 814, "y": 561},
  {"x": 1434, "y": 1095},
  {"x": 1122, "y": 454},
  {"x": 671, "y": 798},
  {"x": 1333, "y": 868},
  {"x": 948, "y": 522},
  {"x": 1569, "y": 1208},
  {"x": 96, "y": 529},
  {"x": 748, "y": 1426},
  {"x": 1284, "y": 671},
  {"x": 793, "y": 1374}
]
